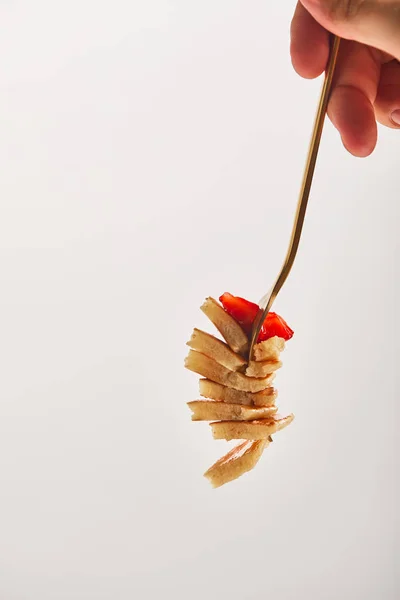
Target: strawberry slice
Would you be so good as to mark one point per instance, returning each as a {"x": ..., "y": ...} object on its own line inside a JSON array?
[
  {"x": 245, "y": 312},
  {"x": 273, "y": 326}
]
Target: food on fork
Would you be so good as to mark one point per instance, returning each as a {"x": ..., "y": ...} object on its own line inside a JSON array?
[
  {"x": 208, "y": 367},
  {"x": 269, "y": 349},
  {"x": 239, "y": 400},
  {"x": 245, "y": 312},
  {"x": 213, "y": 347},
  {"x": 239, "y": 460},
  {"x": 210, "y": 410},
  {"x": 249, "y": 430},
  {"x": 216, "y": 391},
  {"x": 228, "y": 327},
  {"x": 262, "y": 368}
]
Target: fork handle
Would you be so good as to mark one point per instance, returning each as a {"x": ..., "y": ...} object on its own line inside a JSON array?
[{"x": 268, "y": 300}]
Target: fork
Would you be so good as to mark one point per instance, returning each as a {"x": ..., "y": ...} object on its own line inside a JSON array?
[{"x": 267, "y": 301}]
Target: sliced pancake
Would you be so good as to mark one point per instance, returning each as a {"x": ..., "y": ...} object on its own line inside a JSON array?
[
  {"x": 269, "y": 349},
  {"x": 211, "y": 410},
  {"x": 214, "y": 348},
  {"x": 230, "y": 329},
  {"x": 263, "y": 368},
  {"x": 207, "y": 367},
  {"x": 221, "y": 393},
  {"x": 239, "y": 460},
  {"x": 249, "y": 430}
]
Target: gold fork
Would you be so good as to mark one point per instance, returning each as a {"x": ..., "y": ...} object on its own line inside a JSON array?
[{"x": 267, "y": 301}]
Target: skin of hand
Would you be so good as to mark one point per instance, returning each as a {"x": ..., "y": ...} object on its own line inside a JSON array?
[{"x": 366, "y": 87}]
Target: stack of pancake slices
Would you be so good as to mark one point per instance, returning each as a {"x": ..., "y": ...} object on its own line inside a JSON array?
[{"x": 239, "y": 399}]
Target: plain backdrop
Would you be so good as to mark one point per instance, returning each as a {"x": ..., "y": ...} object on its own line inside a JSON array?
[{"x": 150, "y": 155}]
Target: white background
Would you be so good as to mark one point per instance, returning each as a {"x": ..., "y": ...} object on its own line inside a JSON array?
[{"x": 150, "y": 155}]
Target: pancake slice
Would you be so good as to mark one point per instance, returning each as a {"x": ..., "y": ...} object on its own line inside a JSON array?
[
  {"x": 262, "y": 369},
  {"x": 237, "y": 462},
  {"x": 269, "y": 349},
  {"x": 249, "y": 430},
  {"x": 210, "y": 410},
  {"x": 230, "y": 329},
  {"x": 210, "y": 369},
  {"x": 214, "y": 348},
  {"x": 221, "y": 393}
]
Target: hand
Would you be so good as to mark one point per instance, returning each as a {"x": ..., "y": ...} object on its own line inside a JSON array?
[{"x": 367, "y": 81}]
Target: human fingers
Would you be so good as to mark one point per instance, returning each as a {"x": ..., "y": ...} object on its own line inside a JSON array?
[
  {"x": 309, "y": 44},
  {"x": 387, "y": 103},
  {"x": 372, "y": 22},
  {"x": 351, "y": 107}
]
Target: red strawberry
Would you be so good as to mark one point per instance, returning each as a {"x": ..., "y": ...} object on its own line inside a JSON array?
[
  {"x": 273, "y": 326},
  {"x": 245, "y": 312}
]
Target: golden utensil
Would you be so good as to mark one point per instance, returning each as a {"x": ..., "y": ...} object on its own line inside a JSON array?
[{"x": 267, "y": 301}]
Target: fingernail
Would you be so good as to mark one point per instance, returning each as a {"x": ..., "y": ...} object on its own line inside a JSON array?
[{"x": 395, "y": 116}]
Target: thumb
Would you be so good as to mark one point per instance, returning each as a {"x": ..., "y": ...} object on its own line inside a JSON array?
[{"x": 372, "y": 22}]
